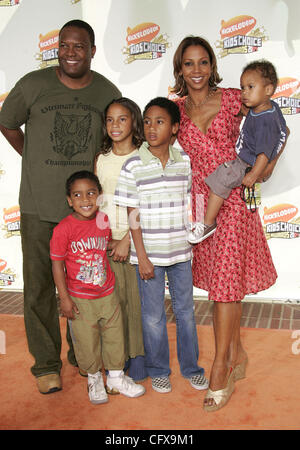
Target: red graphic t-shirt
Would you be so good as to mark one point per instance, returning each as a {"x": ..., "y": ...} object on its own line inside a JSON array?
[{"x": 82, "y": 245}]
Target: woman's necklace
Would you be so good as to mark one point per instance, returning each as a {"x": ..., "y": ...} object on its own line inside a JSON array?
[{"x": 190, "y": 104}]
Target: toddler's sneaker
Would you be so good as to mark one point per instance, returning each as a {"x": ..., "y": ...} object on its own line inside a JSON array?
[
  {"x": 161, "y": 385},
  {"x": 199, "y": 382},
  {"x": 124, "y": 385},
  {"x": 97, "y": 392},
  {"x": 199, "y": 231}
]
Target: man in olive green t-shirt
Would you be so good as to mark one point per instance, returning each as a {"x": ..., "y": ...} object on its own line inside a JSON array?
[{"x": 61, "y": 107}]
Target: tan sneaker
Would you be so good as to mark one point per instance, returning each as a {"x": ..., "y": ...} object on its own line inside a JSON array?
[{"x": 49, "y": 383}]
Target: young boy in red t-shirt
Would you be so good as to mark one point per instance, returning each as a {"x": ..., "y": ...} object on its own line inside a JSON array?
[{"x": 85, "y": 284}]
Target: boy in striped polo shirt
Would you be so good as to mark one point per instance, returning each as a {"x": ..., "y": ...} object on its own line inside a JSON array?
[{"x": 154, "y": 186}]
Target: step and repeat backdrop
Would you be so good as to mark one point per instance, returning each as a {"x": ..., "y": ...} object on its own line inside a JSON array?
[{"x": 136, "y": 41}]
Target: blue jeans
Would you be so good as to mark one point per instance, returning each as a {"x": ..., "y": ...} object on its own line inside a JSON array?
[{"x": 152, "y": 293}]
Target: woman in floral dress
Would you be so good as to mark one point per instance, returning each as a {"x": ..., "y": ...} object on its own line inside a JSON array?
[{"x": 235, "y": 260}]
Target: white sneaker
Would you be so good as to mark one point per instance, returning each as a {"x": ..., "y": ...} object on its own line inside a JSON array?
[
  {"x": 97, "y": 392},
  {"x": 199, "y": 231},
  {"x": 123, "y": 385}
]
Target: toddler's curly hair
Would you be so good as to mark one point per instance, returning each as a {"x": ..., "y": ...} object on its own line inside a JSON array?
[{"x": 266, "y": 70}]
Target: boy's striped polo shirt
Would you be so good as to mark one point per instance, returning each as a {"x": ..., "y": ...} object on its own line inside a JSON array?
[{"x": 161, "y": 196}]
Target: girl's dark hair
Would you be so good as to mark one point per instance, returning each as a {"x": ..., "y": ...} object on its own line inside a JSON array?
[
  {"x": 81, "y": 24},
  {"x": 82, "y": 175},
  {"x": 180, "y": 86},
  {"x": 166, "y": 104},
  {"x": 137, "y": 123},
  {"x": 265, "y": 69}
]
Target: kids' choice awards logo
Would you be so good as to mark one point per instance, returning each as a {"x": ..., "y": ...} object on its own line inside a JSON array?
[
  {"x": 240, "y": 34},
  {"x": 48, "y": 45},
  {"x": 11, "y": 221},
  {"x": 287, "y": 95},
  {"x": 281, "y": 221},
  {"x": 7, "y": 276},
  {"x": 145, "y": 41},
  {"x": 9, "y": 2}
]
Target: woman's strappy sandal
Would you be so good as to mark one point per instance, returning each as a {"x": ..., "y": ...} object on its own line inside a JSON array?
[{"x": 221, "y": 396}]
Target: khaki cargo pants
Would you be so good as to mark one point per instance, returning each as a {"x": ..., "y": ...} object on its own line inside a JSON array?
[{"x": 97, "y": 334}]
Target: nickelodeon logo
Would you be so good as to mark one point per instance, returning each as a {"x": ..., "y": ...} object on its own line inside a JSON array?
[
  {"x": 286, "y": 86},
  {"x": 11, "y": 214},
  {"x": 283, "y": 211},
  {"x": 140, "y": 32},
  {"x": 50, "y": 40},
  {"x": 49, "y": 45},
  {"x": 239, "y": 24},
  {"x": 286, "y": 95}
]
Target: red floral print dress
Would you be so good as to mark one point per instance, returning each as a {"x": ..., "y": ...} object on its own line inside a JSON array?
[{"x": 236, "y": 259}]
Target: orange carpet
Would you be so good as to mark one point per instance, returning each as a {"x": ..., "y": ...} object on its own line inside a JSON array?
[{"x": 267, "y": 399}]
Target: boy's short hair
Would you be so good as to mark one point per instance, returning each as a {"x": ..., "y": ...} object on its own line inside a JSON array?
[
  {"x": 82, "y": 175},
  {"x": 266, "y": 70},
  {"x": 164, "y": 103},
  {"x": 77, "y": 23}
]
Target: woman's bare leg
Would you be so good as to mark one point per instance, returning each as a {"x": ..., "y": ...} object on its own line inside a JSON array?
[{"x": 237, "y": 353}]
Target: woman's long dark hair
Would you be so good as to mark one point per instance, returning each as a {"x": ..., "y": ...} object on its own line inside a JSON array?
[{"x": 180, "y": 86}]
